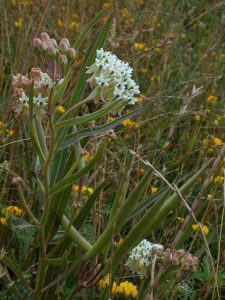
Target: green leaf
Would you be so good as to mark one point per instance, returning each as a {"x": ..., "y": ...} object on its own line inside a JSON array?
[
  {"x": 74, "y": 137},
  {"x": 89, "y": 117},
  {"x": 20, "y": 223},
  {"x": 90, "y": 25},
  {"x": 64, "y": 183}
]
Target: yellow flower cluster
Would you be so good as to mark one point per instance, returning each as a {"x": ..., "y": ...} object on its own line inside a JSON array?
[
  {"x": 3, "y": 130},
  {"x": 155, "y": 78},
  {"x": 130, "y": 123},
  {"x": 24, "y": 3},
  {"x": 72, "y": 25},
  {"x": 140, "y": 46},
  {"x": 126, "y": 288},
  {"x": 84, "y": 189},
  {"x": 212, "y": 100},
  {"x": 217, "y": 179},
  {"x": 205, "y": 229},
  {"x": 9, "y": 212},
  {"x": 13, "y": 210},
  {"x": 125, "y": 14}
]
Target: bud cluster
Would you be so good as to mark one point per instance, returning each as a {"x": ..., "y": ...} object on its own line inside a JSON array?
[
  {"x": 112, "y": 79},
  {"x": 56, "y": 56}
]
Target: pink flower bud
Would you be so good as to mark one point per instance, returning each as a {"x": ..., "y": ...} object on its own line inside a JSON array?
[
  {"x": 18, "y": 91},
  {"x": 36, "y": 73},
  {"x": 63, "y": 60},
  {"x": 37, "y": 43},
  {"x": 45, "y": 37},
  {"x": 72, "y": 53},
  {"x": 64, "y": 45},
  {"x": 51, "y": 51}
]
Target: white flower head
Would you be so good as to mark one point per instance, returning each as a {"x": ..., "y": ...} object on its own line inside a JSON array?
[
  {"x": 140, "y": 257},
  {"x": 114, "y": 77}
]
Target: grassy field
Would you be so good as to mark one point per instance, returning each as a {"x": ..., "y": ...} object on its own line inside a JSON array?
[{"x": 87, "y": 176}]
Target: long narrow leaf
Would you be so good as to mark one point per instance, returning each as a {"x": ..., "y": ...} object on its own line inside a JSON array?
[{"x": 74, "y": 137}]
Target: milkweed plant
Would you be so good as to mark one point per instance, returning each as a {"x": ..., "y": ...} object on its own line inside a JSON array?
[{"x": 61, "y": 123}]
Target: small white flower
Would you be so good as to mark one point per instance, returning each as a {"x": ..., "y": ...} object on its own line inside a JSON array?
[{"x": 24, "y": 100}]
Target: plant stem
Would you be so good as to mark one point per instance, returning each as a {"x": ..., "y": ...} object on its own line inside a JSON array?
[{"x": 26, "y": 208}]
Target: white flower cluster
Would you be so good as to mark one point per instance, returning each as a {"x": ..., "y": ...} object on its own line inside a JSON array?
[
  {"x": 140, "y": 257},
  {"x": 37, "y": 101},
  {"x": 113, "y": 77}
]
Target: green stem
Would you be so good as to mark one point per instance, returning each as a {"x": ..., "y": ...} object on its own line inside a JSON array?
[{"x": 25, "y": 206}]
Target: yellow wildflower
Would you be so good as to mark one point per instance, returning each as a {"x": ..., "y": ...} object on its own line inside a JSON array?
[
  {"x": 126, "y": 136},
  {"x": 217, "y": 141},
  {"x": 10, "y": 132},
  {"x": 104, "y": 282},
  {"x": 197, "y": 117},
  {"x": 124, "y": 12},
  {"x": 75, "y": 187},
  {"x": 88, "y": 157},
  {"x": 19, "y": 23},
  {"x": 13, "y": 209},
  {"x": 143, "y": 70},
  {"x": 115, "y": 288},
  {"x": 140, "y": 46},
  {"x": 128, "y": 289},
  {"x": 205, "y": 229},
  {"x": 111, "y": 119},
  {"x": 90, "y": 190},
  {"x": 140, "y": 171},
  {"x": 106, "y": 5},
  {"x": 219, "y": 179},
  {"x": 211, "y": 100},
  {"x": 2, "y": 125},
  {"x": 139, "y": 99},
  {"x": 154, "y": 189},
  {"x": 84, "y": 188},
  {"x": 157, "y": 49},
  {"x": 180, "y": 219},
  {"x": 3, "y": 221},
  {"x": 60, "y": 109},
  {"x": 73, "y": 25},
  {"x": 209, "y": 197},
  {"x": 60, "y": 23}
]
